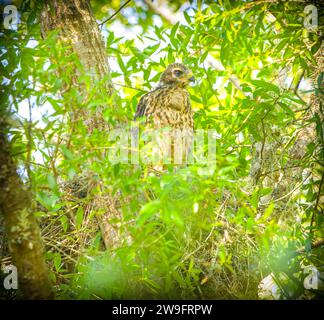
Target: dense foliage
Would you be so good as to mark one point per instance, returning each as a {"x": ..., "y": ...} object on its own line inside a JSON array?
[{"x": 198, "y": 231}]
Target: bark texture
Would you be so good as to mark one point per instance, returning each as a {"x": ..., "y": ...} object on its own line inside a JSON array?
[
  {"x": 22, "y": 229},
  {"x": 77, "y": 27}
]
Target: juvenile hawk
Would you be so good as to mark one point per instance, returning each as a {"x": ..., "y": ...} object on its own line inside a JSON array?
[{"x": 168, "y": 110}]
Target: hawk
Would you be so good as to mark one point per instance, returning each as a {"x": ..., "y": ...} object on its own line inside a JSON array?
[{"x": 168, "y": 113}]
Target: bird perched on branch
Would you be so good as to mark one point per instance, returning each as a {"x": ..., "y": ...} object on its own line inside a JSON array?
[{"x": 168, "y": 114}]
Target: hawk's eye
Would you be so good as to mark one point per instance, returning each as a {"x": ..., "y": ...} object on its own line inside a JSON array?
[{"x": 177, "y": 73}]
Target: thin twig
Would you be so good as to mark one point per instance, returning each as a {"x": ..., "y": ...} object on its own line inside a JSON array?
[
  {"x": 113, "y": 15},
  {"x": 130, "y": 87},
  {"x": 289, "y": 193}
]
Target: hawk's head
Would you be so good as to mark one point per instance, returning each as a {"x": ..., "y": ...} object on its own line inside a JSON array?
[{"x": 176, "y": 74}]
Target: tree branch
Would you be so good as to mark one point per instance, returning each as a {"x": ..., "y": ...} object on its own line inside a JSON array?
[
  {"x": 21, "y": 226},
  {"x": 113, "y": 15}
]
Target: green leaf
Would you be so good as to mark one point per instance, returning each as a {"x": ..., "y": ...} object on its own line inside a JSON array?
[
  {"x": 57, "y": 261},
  {"x": 282, "y": 44},
  {"x": 286, "y": 108},
  {"x": 121, "y": 64},
  {"x": 224, "y": 53},
  {"x": 64, "y": 222},
  {"x": 268, "y": 211},
  {"x": 266, "y": 85},
  {"x": 187, "y": 17},
  {"x": 174, "y": 30},
  {"x": 66, "y": 152},
  {"x": 150, "y": 50},
  {"x": 47, "y": 200},
  {"x": 147, "y": 211},
  {"x": 110, "y": 39},
  {"x": 203, "y": 57}
]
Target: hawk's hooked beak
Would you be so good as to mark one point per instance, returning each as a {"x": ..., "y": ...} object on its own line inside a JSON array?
[{"x": 191, "y": 77}]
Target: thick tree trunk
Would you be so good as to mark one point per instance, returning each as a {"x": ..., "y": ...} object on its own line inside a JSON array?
[
  {"x": 22, "y": 229},
  {"x": 77, "y": 26}
]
